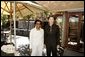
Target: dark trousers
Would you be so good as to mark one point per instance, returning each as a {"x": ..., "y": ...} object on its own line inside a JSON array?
[{"x": 51, "y": 49}]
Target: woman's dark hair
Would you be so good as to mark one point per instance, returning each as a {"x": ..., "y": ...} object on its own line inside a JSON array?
[
  {"x": 38, "y": 21},
  {"x": 51, "y": 16}
]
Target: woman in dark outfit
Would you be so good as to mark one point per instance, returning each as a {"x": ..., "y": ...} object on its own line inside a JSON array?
[{"x": 52, "y": 34}]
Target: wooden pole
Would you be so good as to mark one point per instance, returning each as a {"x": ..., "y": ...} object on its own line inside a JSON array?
[
  {"x": 14, "y": 19},
  {"x": 10, "y": 21}
]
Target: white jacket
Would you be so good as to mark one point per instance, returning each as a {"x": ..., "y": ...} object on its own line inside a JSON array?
[{"x": 36, "y": 41}]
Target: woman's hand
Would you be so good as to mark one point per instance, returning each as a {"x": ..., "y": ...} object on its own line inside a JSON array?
[
  {"x": 30, "y": 50},
  {"x": 44, "y": 46}
]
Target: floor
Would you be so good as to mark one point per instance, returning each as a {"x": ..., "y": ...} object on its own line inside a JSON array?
[{"x": 68, "y": 52}]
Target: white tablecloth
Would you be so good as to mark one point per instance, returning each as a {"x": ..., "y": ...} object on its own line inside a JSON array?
[
  {"x": 8, "y": 48},
  {"x": 20, "y": 40}
]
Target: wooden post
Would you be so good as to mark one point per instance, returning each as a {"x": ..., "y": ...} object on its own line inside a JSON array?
[
  {"x": 63, "y": 30},
  {"x": 10, "y": 21},
  {"x": 79, "y": 30},
  {"x": 66, "y": 24}
]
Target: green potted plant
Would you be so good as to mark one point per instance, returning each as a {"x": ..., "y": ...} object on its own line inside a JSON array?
[{"x": 4, "y": 19}]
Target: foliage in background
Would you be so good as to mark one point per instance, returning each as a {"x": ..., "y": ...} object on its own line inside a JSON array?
[{"x": 4, "y": 20}]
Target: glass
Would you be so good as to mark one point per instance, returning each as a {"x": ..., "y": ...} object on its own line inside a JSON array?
[{"x": 73, "y": 26}]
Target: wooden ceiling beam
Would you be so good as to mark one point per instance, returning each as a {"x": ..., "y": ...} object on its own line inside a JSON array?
[
  {"x": 5, "y": 10},
  {"x": 27, "y": 8},
  {"x": 6, "y": 5},
  {"x": 19, "y": 10}
]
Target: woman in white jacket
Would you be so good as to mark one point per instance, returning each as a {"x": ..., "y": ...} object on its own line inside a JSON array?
[{"x": 37, "y": 39}]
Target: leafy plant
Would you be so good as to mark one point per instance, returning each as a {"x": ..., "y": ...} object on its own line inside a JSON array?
[{"x": 4, "y": 19}]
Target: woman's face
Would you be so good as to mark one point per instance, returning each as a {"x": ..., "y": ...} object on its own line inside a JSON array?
[
  {"x": 51, "y": 20},
  {"x": 38, "y": 25}
]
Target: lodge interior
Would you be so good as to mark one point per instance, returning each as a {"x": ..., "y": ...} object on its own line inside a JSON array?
[{"x": 69, "y": 16}]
